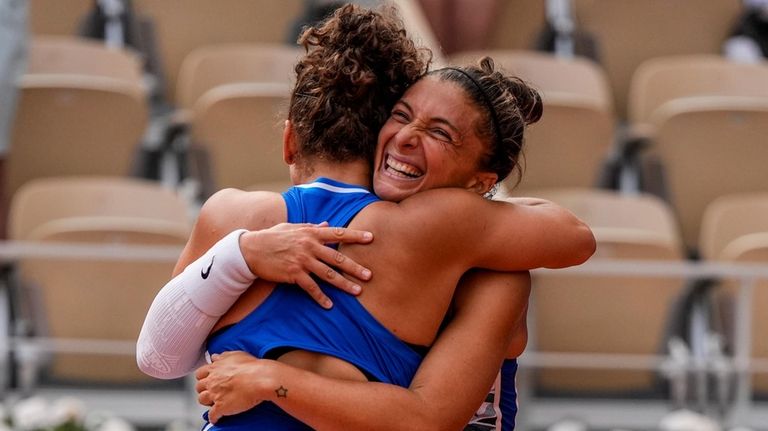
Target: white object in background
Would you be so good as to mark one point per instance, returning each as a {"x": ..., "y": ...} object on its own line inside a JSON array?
[
  {"x": 686, "y": 420},
  {"x": 568, "y": 425}
]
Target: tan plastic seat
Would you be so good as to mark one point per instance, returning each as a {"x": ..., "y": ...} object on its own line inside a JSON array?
[
  {"x": 567, "y": 147},
  {"x": 181, "y": 26},
  {"x": 517, "y": 24},
  {"x": 240, "y": 128},
  {"x": 74, "y": 125},
  {"x": 605, "y": 314},
  {"x": 210, "y": 66},
  {"x": 95, "y": 299},
  {"x": 418, "y": 28},
  {"x": 55, "y": 17},
  {"x": 629, "y": 32},
  {"x": 79, "y": 56},
  {"x": 659, "y": 80},
  {"x": 735, "y": 229},
  {"x": 710, "y": 147}
]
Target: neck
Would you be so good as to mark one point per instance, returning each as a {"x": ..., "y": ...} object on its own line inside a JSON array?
[{"x": 358, "y": 172}]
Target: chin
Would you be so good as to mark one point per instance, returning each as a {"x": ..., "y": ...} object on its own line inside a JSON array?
[{"x": 388, "y": 193}]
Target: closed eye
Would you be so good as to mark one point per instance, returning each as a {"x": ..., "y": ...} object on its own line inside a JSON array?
[
  {"x": 400, "y": 115},
  {"x": 441, "y": 134}
]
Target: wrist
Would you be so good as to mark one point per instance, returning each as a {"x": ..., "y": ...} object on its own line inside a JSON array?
[
  {"x": 216, "y": 279},
  {"x": 249, "y": 248},
  {"x": 276, "y": 381}
]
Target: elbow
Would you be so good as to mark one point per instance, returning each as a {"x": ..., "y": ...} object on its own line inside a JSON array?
[
  {"x": 430, "y": 424},
  {"x": 422, "y": 416},
  {"x": 586, "y": 245},
  {"x": 153, "y": 366},
  {"x": 580, "y": 246},
  {"x": 434, "y": 421}
]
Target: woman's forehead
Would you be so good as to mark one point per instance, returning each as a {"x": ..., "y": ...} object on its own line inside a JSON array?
[{"x": 433, "y": 97}]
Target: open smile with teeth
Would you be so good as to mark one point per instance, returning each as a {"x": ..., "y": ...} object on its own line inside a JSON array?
[{"x": 403, "y": 170}]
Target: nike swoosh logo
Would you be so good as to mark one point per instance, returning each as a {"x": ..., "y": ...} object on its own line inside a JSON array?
[{"x": 206, "y": 272}]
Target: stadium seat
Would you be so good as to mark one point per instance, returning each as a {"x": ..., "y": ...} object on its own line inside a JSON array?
[
  {"x": 608, "y": 314},
  {"x": 181, "y": 26},
  {"x": 55, "y": 17},
  {"x": 629, "y": 32},
  {"x": 709, "y": 146},
  {"x": 418, "y": 27},
  {"x": 94, "y": 298},
  {"x": 70, "y": 125},
  {"x": 735, "y": 229},
  {"x": 209, "y": 66},
  {"x": 239, "y": 128},
  {"x": 79, "y": 56},
  {"x": 659, "y": 80},
  {"x": 517, "y": 24},
  {"x": 567, "y": 147}
]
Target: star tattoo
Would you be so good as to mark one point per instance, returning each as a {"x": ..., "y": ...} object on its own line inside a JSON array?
[{"x": 281, "y": 392}]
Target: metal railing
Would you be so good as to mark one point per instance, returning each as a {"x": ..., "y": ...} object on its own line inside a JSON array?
[
  {"x": 740, "y": 364},
  {"x": 707, "y": 361}
]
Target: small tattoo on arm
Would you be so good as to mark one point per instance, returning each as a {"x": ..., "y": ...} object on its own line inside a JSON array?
[{"x": 281, "y": 392}]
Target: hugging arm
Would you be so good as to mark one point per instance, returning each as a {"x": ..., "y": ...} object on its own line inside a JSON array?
[
  {"x": 469, "y": 350},
  {"x": 511, "y": 235},
  {"x": 172, "y": 339}
]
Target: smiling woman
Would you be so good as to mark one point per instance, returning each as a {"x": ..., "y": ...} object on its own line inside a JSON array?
[
  {"x": 477, "y": 113},
  {"x": 441, "y": 133},
  {"x": 364, "y": 355},
  {"x": 424, "y": 141}
]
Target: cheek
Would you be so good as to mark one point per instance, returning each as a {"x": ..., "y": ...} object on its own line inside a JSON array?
[{"x": 389, "y": 128}]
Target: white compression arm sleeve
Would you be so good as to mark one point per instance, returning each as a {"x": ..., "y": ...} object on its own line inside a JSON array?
[{"x": 172, "y": 340}]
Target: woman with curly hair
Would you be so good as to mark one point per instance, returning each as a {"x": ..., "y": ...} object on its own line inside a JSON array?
[{"x": 456, "y": 127}]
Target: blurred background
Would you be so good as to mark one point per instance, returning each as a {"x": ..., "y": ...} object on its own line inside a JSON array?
[{"x": 119, "y": 117}]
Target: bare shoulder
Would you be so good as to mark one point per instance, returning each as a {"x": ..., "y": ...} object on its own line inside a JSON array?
[
  {"x": 231, "y": 209},
  {"x": 428, "y": 206},
  {"x": 440, "y": 211},
  {"x": 435, "y": 225},
  {"x": 228, "y": 210}
]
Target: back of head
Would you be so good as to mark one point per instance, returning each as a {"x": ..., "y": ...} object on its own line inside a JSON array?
[
  {"x": 507, "y": 105},
  {"x": 358, "y": 64}
]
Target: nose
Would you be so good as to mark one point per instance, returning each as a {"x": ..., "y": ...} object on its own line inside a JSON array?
[{"x": 408, "y": 137}]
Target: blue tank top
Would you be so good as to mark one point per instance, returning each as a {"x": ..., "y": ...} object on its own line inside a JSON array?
[{"x": 290, "y": 319}]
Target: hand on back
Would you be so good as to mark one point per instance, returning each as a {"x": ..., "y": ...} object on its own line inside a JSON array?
[{"x": 293, "y": 253}]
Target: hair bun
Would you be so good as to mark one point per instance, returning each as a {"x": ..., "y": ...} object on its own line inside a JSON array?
[{"x": 528, "y": 98}]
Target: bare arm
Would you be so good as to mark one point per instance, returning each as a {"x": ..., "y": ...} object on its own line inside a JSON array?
[
  {"x": 172, "y": 339},
  {"x": 470, "y": 351},
  {"x": 512, "y": 235}
]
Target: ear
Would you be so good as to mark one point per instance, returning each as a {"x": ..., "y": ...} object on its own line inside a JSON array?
[
  {"x": 289, "y": 144},
  {"x": 482, "y": 182}
]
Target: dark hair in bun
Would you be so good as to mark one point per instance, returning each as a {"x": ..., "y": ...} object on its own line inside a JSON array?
[{"x": 507, "y": 104}]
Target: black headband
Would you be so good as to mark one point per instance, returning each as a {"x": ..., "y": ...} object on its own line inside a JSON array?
[{"x": 488, "y": 104}]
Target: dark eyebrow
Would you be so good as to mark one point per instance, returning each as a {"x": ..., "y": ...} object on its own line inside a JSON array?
[
  {"x": 440, "y": 120},
  {"x": 403, "y": 102}
]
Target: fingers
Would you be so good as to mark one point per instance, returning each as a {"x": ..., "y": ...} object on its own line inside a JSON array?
[
  {"x": 333, "y": 235},
  {"x": 205, "y": 398},
  {"x": 310, "y": 286},
  {"x": 332, "y": 277},
  {"x": 344, "y": 265},
  {"x": 214, "y": 414},
  {"x": 202, "y": 372}
]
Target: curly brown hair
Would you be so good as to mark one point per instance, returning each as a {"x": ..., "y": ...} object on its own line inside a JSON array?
[
  {"x": 358, "y": 64},
  {"x": 507, "y": 103}
]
